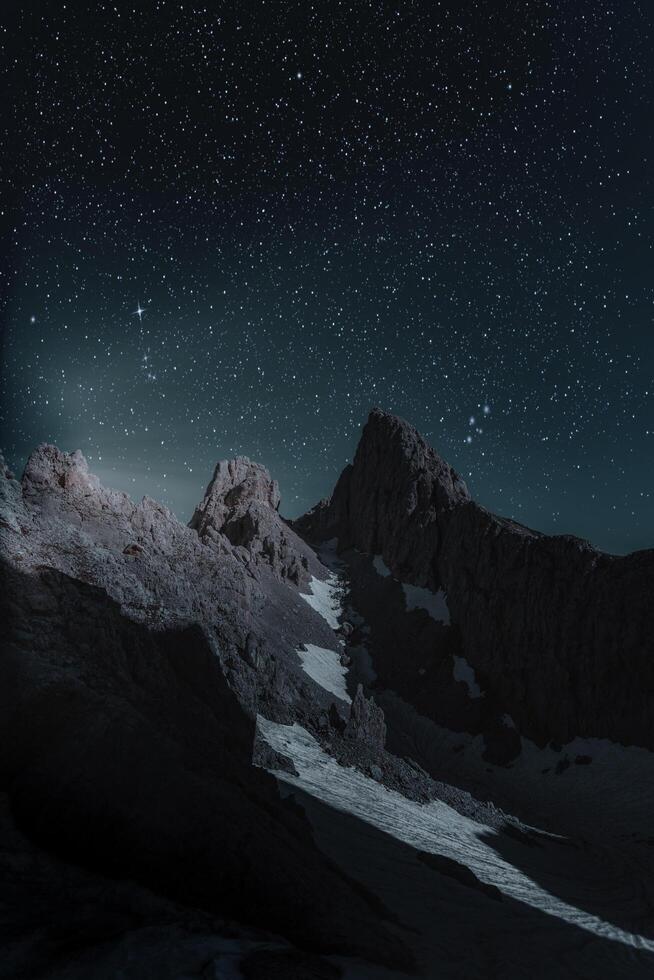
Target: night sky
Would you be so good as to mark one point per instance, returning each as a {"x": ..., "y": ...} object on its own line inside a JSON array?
[{"x": 444, "y": 209}]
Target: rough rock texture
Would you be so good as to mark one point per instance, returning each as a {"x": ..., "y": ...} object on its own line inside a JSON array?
[
  {"x": 63, "y": 922},
  {"x": 241, "y": 503},
  {"x": 366, "y": 721},
  {"x": 558, "y": 633},
  {"x": 135, "y": 660}
]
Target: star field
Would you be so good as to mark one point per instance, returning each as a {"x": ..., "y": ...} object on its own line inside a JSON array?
[{"x": 444, "y": 209}]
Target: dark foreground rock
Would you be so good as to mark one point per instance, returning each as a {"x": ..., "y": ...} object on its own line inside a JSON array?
[{"x": 560, "y": 635}]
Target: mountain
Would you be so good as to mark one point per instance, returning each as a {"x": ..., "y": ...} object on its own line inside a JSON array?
[
  {"x": 559, "y": 635},
  {"x": 400, "y": 736}
]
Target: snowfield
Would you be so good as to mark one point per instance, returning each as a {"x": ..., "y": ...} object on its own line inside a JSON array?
[
  {"x": 325, "y": 668},
  {"x": 435, "y": 828}
]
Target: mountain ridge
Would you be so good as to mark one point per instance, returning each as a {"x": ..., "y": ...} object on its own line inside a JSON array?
[
  {"x": 164, "y": 688},
  {"x": 527, "y": 605}
]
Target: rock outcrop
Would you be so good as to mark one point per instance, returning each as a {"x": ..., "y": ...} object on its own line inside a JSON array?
[
  {"x": 242, "y": 503},
  {"x": 558, "y": 634},
  {"x": 366, "y": 721}
]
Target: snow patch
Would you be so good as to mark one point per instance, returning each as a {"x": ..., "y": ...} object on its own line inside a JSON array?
[
  {"x": 462, "y": 671},
  {"x": 324, "y": 598},
  {"x": 380, "y": 566},
  {"x": 325, "y": 668},
  {"x": 435, "y": 603}
]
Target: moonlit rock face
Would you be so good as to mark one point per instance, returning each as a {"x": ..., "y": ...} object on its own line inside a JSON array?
[
  {"x": 242, "y": 504},
  {"x": 49, "y": 467},
  {"x": 236, "y": 484}
]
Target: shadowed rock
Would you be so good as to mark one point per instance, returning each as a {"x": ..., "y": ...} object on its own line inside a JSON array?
[
  {"x": 560, "y": 633},
  {"x": 366, "y": 721}
]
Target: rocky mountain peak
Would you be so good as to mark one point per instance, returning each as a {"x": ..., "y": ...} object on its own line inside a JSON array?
[
  {"x": 50, "y": 468},
  {"x": 236, "y": 485},
  {"x": 242, "y": 504},
  {"x": 391, "y": 498},
  {"x": 396, "y": 444},
  {"x": 549, "y": 622}
]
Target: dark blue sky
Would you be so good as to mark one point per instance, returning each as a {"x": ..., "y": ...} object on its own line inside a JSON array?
[{"x": 441, "y": 209}]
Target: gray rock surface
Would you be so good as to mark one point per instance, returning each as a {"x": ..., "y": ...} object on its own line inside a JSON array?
[
  {"x": 559, "y": 634},
  {"x": 366, "y": 721},
  {"x": 241, "y": 504}
]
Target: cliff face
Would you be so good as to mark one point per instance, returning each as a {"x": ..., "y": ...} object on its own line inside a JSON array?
[{"x": 559, "y": 634}]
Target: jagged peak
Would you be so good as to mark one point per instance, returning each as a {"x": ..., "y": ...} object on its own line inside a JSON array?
[
  {"x": 50, "y": 467},
  {"x": 235, "y": 486},
  {"x": 242, "y": 504},
  {"x": 387, "y": 435},
  {"x": 244, "y": 479}
]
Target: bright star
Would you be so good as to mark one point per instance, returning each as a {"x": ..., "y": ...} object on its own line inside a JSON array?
[{"x": 139, "y": 311}]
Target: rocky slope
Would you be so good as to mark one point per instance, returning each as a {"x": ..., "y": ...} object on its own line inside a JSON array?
[
  {"x": 136, "y": 657},
  {"x": 559, "y": 635}
]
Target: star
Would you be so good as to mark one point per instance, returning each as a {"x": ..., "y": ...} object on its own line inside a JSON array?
[{"x": 139, "y": 311}]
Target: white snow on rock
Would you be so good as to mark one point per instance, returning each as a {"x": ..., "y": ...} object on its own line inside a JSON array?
[
  {"x": 434, "y": 828},
  {"x": 324, "y": 599},
  {"x": 435, "y": 603},
  {"x": 325, "y": 668},
  {"x": 380, "y": 566},
  {"x": 464, "y": 672}
]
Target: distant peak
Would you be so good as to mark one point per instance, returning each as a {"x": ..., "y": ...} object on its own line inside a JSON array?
[
  {"x": 240, "y": 481},
  {"x": 392, "y": 443},
  {"x": 50, "y": 467}
]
